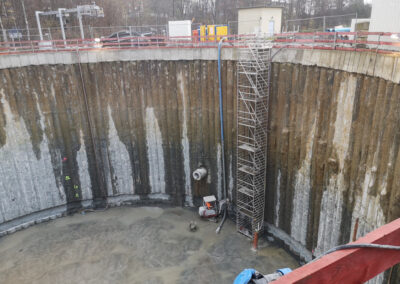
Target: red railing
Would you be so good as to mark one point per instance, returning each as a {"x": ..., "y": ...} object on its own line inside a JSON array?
[
  {"x": 356, "y": 265},
  {"x": 349, "y": 41},
  {"x": 360, "y": 41},
  {"x": 21, "y": 47}
]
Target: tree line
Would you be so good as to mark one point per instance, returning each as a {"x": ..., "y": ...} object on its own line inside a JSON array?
[{"x": 20, "y": 14}]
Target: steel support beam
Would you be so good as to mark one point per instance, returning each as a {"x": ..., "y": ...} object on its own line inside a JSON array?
[
  {"x": 60, "y": 15},
  {"x": 80, "y": 23},
  {"x": 37, "y": 13}
]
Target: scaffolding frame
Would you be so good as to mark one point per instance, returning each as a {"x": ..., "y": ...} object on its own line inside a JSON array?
[
  {"x": 253, "y": 84},
  {"x": 81, "y": 10}
]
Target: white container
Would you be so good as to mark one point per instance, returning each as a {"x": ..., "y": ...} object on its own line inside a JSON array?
[{"x": 182, "y": 29}]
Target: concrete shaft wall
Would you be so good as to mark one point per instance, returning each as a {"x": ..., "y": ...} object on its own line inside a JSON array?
[
  {"x": 333, "y": 154},
  {"x": 333, "y": 165},
  {"x": 151, "y": 124}
]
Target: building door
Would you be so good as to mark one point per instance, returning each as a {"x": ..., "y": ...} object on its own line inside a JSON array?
[{"x": 271, "y": 26}]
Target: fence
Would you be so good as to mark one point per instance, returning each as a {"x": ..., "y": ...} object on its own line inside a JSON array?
[
  {"x": 359, "y": 41},
  {"x": 352, "y": 41},
  {"x": 318, "y": 24},
  {"x": 73, "y": 32}
]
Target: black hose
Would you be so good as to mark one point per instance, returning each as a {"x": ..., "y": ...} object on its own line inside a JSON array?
[
  {"x": 223, "y": 218},
  {"x": 354, "y": 246}
]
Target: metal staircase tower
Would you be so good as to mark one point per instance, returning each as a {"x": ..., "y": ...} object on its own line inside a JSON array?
[{"x": 252, "y": 120}]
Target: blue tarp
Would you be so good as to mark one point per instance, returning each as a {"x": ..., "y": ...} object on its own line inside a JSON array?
[
  {"x": 244, "y": 277},
  {"x": 339, "y": 30}
]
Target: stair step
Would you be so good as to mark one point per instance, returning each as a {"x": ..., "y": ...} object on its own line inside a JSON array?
[
  {"x": 247, "y": 170},
  {"x": 246, "y": 125},
  {"x": 245, "y": 212},
  {"x": 248, "y": 73},
  {"x": 246, "y": 191},
  {"x": 247, "y": 147}
]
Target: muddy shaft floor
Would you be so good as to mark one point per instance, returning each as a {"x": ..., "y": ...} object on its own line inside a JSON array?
[{"x": 132, "y": 245}]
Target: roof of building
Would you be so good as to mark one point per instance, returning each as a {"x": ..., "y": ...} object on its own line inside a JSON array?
[{"x": 262, "y": 7}]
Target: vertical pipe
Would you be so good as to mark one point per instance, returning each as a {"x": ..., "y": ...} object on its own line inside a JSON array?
[
  {"x": 26, "y": 19},
  {"x": 60, "y": 10},
  {"x": 37, "y": 13},
  {"x": 355, "y": 25},
  {"x": 49, "y": 34},
  {"x": 80, "y": 23},
  {"x": 221, "y": 115},
  {"x": 3, "y": 30},
  {"x": 255, "y": 240},
  {"x": 355, "y": 230}
]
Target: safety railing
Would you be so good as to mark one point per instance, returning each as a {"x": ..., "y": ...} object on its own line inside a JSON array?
[
  {"x": 380, "y": 42},
  {"x": 117, "y": 43},
  {"x": 360, "y": 41}
]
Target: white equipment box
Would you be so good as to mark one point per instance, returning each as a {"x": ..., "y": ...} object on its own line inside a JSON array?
[{"x": 180, "y": 29}]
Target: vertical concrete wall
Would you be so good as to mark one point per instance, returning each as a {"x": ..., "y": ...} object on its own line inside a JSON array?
[
  {"x": 148, "y": 125},
  {"x": 333, "y": 153}
]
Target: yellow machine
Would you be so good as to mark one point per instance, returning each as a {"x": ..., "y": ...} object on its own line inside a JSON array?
[
  {"x": 221, "y": 31},
  {"x": 212, "y": 32},
  {"x": 203, "y": 33}
]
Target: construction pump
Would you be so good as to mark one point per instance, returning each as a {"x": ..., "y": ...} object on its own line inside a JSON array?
[{"x": 213, "y": 209}]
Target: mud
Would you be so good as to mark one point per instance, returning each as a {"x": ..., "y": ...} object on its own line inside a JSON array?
[{"x": 132, "y": 245}]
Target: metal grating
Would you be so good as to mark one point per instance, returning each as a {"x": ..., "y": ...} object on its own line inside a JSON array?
[{"x": 252, "y": 119}]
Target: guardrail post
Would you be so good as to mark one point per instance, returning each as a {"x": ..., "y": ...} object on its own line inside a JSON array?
[
  {"x": 334, "y": 41},
  {"x": 379, "y": 43},
  {"x": 313, "y": 39},
  {"x": 355, "y": 41}
]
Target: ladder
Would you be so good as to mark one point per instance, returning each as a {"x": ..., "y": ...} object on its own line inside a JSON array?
[{"x": 253, "y": 81}]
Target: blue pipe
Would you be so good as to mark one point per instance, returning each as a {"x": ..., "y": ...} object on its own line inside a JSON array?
[{"x": 221, "y": 117}]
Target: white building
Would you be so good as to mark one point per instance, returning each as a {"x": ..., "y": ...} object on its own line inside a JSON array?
[
  {"x": 265, "y": 20},
  {"x": 385, "y": 16}
]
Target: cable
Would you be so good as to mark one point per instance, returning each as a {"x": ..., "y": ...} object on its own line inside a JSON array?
[{"x": 354, "y": 246}]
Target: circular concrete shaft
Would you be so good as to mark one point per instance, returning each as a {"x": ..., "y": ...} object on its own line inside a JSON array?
[{"x": 132, "y": 245}]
